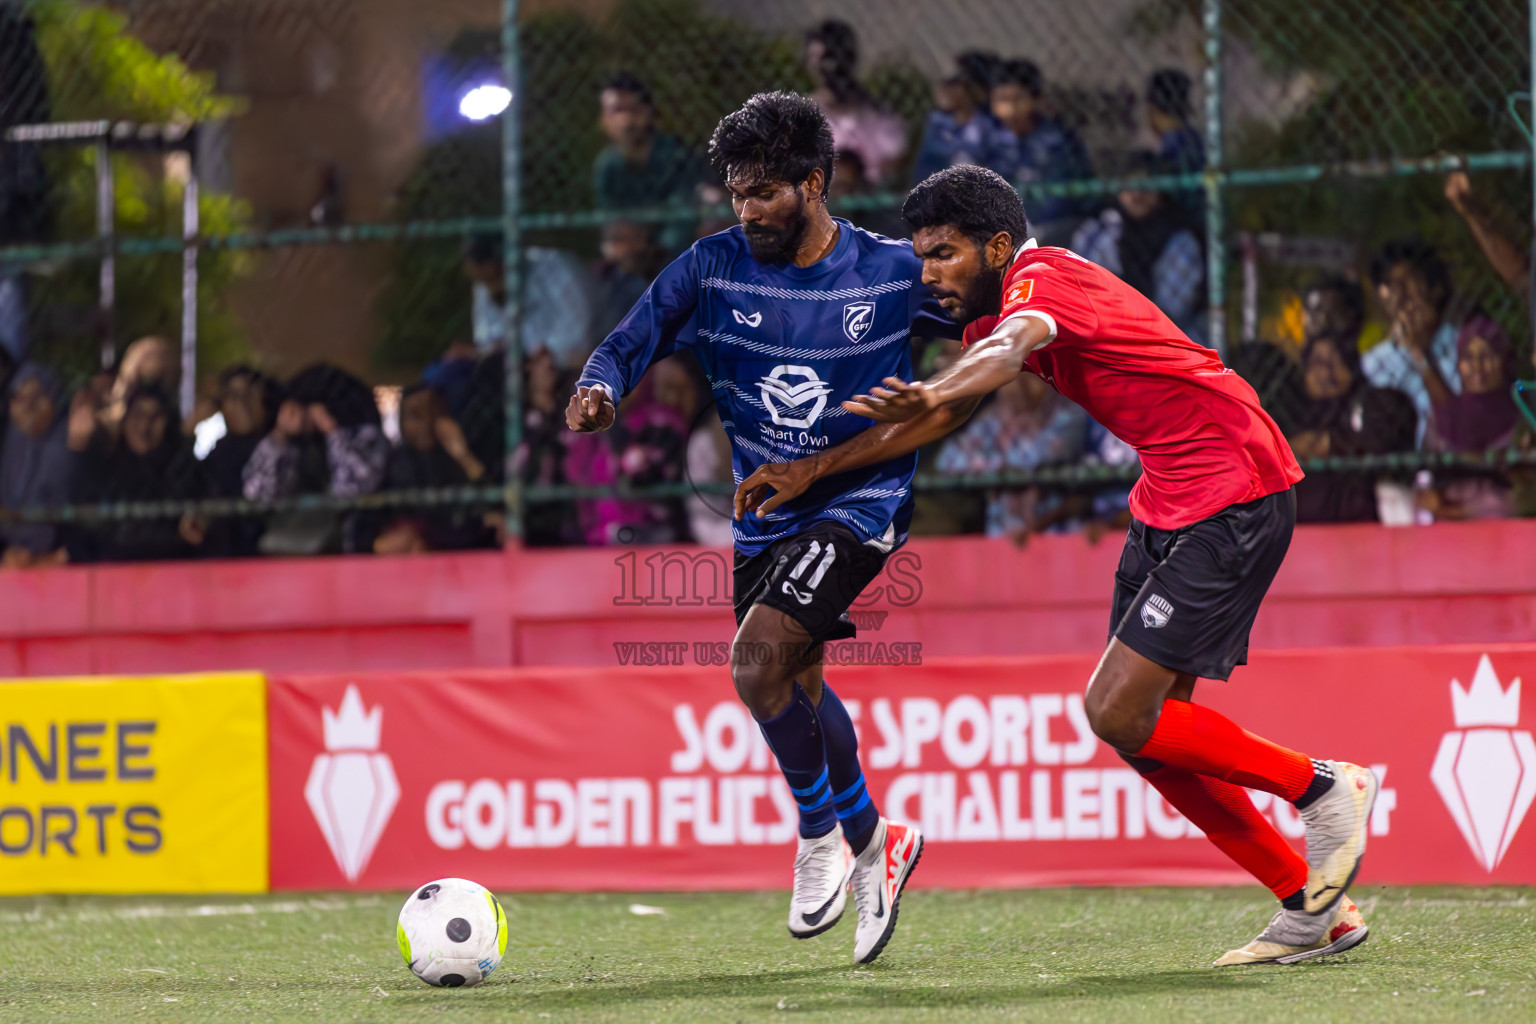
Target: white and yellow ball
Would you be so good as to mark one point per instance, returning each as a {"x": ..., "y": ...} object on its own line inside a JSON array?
[{"x": 452, "y": 933}]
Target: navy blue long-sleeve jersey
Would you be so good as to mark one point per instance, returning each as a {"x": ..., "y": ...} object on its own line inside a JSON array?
[{"x": 782, "y": 347}]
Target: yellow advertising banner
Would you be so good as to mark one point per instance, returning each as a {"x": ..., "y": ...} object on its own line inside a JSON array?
[{"x": 133, "y": 785}]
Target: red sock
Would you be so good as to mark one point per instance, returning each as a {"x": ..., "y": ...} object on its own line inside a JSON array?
[
  {"x": 1228, "y": 818},
  {"x": 1197, "y": 739}
]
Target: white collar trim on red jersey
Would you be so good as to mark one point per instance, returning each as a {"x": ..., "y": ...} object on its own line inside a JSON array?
[{"x": 1031, "y": 244}]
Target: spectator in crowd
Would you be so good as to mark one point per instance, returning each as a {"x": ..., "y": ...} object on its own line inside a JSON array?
[
  {"x": 647, "y": 445},
  {"x": 7, "y": 374},
  {"x": 432, "y": 454},
  {"x": 149, "y": 360},
  {"x": 1333, "y": 306},
  {"x": 541, "y": 457},
  {"x": 245, "y": 401},
  {"x": 150, "y": 461},
  {"x": 1109, "y": 506},
  {"x": 35, "y": 467},
  {"x": 1491, "y": 227},
  {"x": 1034, "y": 148},
  {"x": 858, "y": 123},
  {"x": 1482, "y": 418},
  {"x": 960, "y": 128},
  {"x": 557, "y": 300},
  {"x": 1026, "y": 426},
  {"x": 715, "y": 206},
  {"x": 1147, "y": 240},
  {"x": 628, "y": 264},
  {"x": 1419, "y": 356},
  {"x": 709, "y": 462},
  {"x": 24, "y": 205},
  {"x": 642, "y": 167},
  {"x": 850, "y": 182},
  {"x": 1180, "y": 147},
  {"x": 327, "y": 439},
  {"x": 1343, "y": 414}
]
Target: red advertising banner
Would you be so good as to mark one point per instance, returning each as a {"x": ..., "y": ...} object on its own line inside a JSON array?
[{"x": 656, "y": 778}]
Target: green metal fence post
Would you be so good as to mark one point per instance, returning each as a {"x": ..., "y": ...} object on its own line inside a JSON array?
[
  {"x": 511, "y": 191},
  {"x": 1215, "y": 241}
]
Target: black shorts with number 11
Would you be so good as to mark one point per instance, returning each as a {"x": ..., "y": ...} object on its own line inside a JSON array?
[{"x": 813, "y": 577}]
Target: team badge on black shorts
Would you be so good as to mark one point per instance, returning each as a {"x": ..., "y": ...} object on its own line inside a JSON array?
[{"x": 1156, "y": 612}]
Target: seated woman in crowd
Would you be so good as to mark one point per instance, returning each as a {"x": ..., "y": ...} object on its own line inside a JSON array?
[
  {"x": 150, "y": 461},
  {"x": 1343, "y": 415},
  {"x": 1482, "y": 418},
  {"x": 647, "y": 445},
  {"x": 432, "y": 453},
  {"x": 1151, "y": 242},
  {"x": 245, "y": 400},
  {"x": 327, "y": 439},
  {"x": 35, "y": 467},
  {"x": 1024, "y": 426}
]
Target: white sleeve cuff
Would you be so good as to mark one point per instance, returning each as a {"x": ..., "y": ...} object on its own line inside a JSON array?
[
  {"x": 599, "y": 384},
  {"x": 1049, "y": 321}
]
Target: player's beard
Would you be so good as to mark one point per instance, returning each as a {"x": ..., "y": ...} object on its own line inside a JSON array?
[
  {"x": 983, "y": 298},
  {"x": 780, "y": 245}
]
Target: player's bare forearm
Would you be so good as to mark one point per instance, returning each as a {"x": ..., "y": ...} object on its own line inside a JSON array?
[
  {"x": 990, "y": 363},
  {"x": 881, "y": 442},
  {"x": 885, "y": 441},
  {"x": 983, "y": 368}
]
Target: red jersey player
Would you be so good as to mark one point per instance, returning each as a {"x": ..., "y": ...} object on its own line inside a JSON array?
[{"x": 1213, "y": 515}]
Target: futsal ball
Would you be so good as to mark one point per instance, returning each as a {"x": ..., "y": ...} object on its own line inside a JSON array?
[{"x": 452, "y": 933}]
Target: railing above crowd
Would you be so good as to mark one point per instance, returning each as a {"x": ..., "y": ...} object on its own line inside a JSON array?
[{"x": 1343, "y": 213}]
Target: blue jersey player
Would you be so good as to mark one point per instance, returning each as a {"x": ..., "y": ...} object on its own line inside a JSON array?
[{"x": 790, "y": 314}]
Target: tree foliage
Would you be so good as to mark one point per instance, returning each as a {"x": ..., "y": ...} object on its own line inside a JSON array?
[{"x": 97, "y": 71}]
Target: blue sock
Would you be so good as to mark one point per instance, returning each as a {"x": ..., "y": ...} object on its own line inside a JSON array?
[
  {"x": 855, "y": 807},
  {"x": 794, "y": 736}
]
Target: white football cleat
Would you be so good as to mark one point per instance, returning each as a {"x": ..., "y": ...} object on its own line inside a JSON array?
[
  {"x": 822, "y": 868},
  {"x": 1295, "y": 935},
  {"x": 1337, "y": 824},
  {"x": 879, "y": 875}
]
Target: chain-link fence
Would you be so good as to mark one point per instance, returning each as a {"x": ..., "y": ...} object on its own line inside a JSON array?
[{"x": 293, "y": 276}]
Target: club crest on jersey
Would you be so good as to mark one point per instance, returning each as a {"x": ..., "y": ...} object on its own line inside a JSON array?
[
  {"x": 858, "y": 318},
  {"x": 1020, "y": 293},
  {"x": 1156, "y": 612},
  {"x": 786, "y": 398}
]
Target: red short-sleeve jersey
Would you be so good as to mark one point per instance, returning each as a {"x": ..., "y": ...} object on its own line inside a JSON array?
[{"x": 1203, "y": 439}]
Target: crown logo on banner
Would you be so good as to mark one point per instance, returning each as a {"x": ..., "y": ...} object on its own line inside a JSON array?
[
  {"x": 352, "y": 728},
  {"x": 352, "y": 789},
  {"x": 1485, "y": 769},
  {"x": 1485, "y": 702}
]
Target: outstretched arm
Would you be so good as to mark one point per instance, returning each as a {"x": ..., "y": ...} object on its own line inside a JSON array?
[
  {"x": 648, "y": 332},
  {"x": 911, "y": 415},
  {"x": 788, "y": 480},
  {"x": 1493, "y": 237},
  {"x": 981, "y": 369}
]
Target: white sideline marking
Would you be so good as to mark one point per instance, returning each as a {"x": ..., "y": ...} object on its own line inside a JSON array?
[{"x": 154, "y": 911}]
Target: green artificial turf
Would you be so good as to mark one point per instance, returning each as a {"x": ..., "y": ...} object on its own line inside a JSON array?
[{"x": 1060, "y": 955}]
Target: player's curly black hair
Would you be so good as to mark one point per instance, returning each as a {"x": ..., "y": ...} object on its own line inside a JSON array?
[
  {"x": 775, "y": 136},
  {"x": 978, "y": 202}
]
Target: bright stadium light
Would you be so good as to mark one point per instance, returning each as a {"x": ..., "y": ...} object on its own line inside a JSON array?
[{"x": 484, "y": 101}]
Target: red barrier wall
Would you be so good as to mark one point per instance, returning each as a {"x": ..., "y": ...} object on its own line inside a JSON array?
[
  {"x": 1342, "y": 585},
  {"x": 558, "y": 778}
]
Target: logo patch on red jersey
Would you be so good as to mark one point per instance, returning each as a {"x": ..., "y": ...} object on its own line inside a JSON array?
[{"x": 1019, "y": 293}]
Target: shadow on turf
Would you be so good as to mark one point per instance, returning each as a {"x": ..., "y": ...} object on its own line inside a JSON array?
[{"x": 872, "y": 989}]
